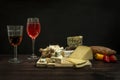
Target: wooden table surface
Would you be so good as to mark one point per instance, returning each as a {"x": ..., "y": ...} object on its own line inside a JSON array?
[{"x": 28, "y": 71}]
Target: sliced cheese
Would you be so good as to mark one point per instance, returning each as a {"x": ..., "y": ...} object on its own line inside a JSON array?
[
  {"x": 88, "y": 63},
  {"x": 82, "y": 53},
  {"x": 76, "y": 61}
]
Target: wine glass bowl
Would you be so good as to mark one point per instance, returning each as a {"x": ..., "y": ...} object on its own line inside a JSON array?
[
  {"x": 33, "y": 27},
  {"x": 33, "y": 30},
  {"x": 15, "y": 37}
]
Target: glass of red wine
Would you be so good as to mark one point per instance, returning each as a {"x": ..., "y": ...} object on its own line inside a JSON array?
[
  {"x": 33, "y": 30},
  {"x": 15, "y": 37}
]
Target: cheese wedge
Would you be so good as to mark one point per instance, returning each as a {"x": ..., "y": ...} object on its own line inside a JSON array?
[
  {"x": 82, "y": 53},
  {"x": 74, "y": 41}
]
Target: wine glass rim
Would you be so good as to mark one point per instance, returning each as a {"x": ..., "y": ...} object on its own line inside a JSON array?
[
  {"x": 33, "y": 18},
  {"x": 15, "y": 25}
]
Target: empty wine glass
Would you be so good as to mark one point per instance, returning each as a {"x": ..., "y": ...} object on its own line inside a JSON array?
[
  {"x": 15, "y": 37},
  {"x": 33, "y": 30}
]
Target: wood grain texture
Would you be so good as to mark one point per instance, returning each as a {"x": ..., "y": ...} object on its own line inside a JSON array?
[{"x": 28, "y": 71}]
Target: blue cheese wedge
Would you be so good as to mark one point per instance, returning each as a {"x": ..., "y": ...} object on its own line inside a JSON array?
[{"x": 74, "y": 41}]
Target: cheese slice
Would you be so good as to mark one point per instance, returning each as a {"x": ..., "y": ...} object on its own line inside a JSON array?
[
  {"x": 76, "y": 61},
  {"x": 87, "y": 63},
  {"x": 79, "y": 63},
  {"x": 82, "y": 53}
]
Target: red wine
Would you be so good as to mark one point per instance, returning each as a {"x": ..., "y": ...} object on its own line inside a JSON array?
[
  {"x": 15, "y": 40},
  {"x": 33, "y": 30}
]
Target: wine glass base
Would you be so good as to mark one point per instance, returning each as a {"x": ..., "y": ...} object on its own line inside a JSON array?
[{"x": 14, "y": 60}]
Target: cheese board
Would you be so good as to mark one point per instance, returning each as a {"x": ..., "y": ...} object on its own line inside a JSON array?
[
  {"x": 55, "y": 56},
  {"x": 43, "y": 62}
]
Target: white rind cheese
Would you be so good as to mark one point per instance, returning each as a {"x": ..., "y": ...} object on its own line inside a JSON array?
[{"x": 82, "y": 53}]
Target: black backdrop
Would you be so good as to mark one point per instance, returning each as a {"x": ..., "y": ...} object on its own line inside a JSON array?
[{"x": 96, "y": 20}]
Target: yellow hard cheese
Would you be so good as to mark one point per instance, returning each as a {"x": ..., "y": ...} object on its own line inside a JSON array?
[
  {"x": 79, "y": 63},
  {"x": 82, "y": 53},
  {"x": 76, "y": 61}
]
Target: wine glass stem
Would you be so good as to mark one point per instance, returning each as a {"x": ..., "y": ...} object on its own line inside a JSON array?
[
  {"x": 15, "y": 52},
  {"x": 33, "y": 48}
]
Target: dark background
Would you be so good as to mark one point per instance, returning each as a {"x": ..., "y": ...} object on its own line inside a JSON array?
[{"x": 96, "y": 20}]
